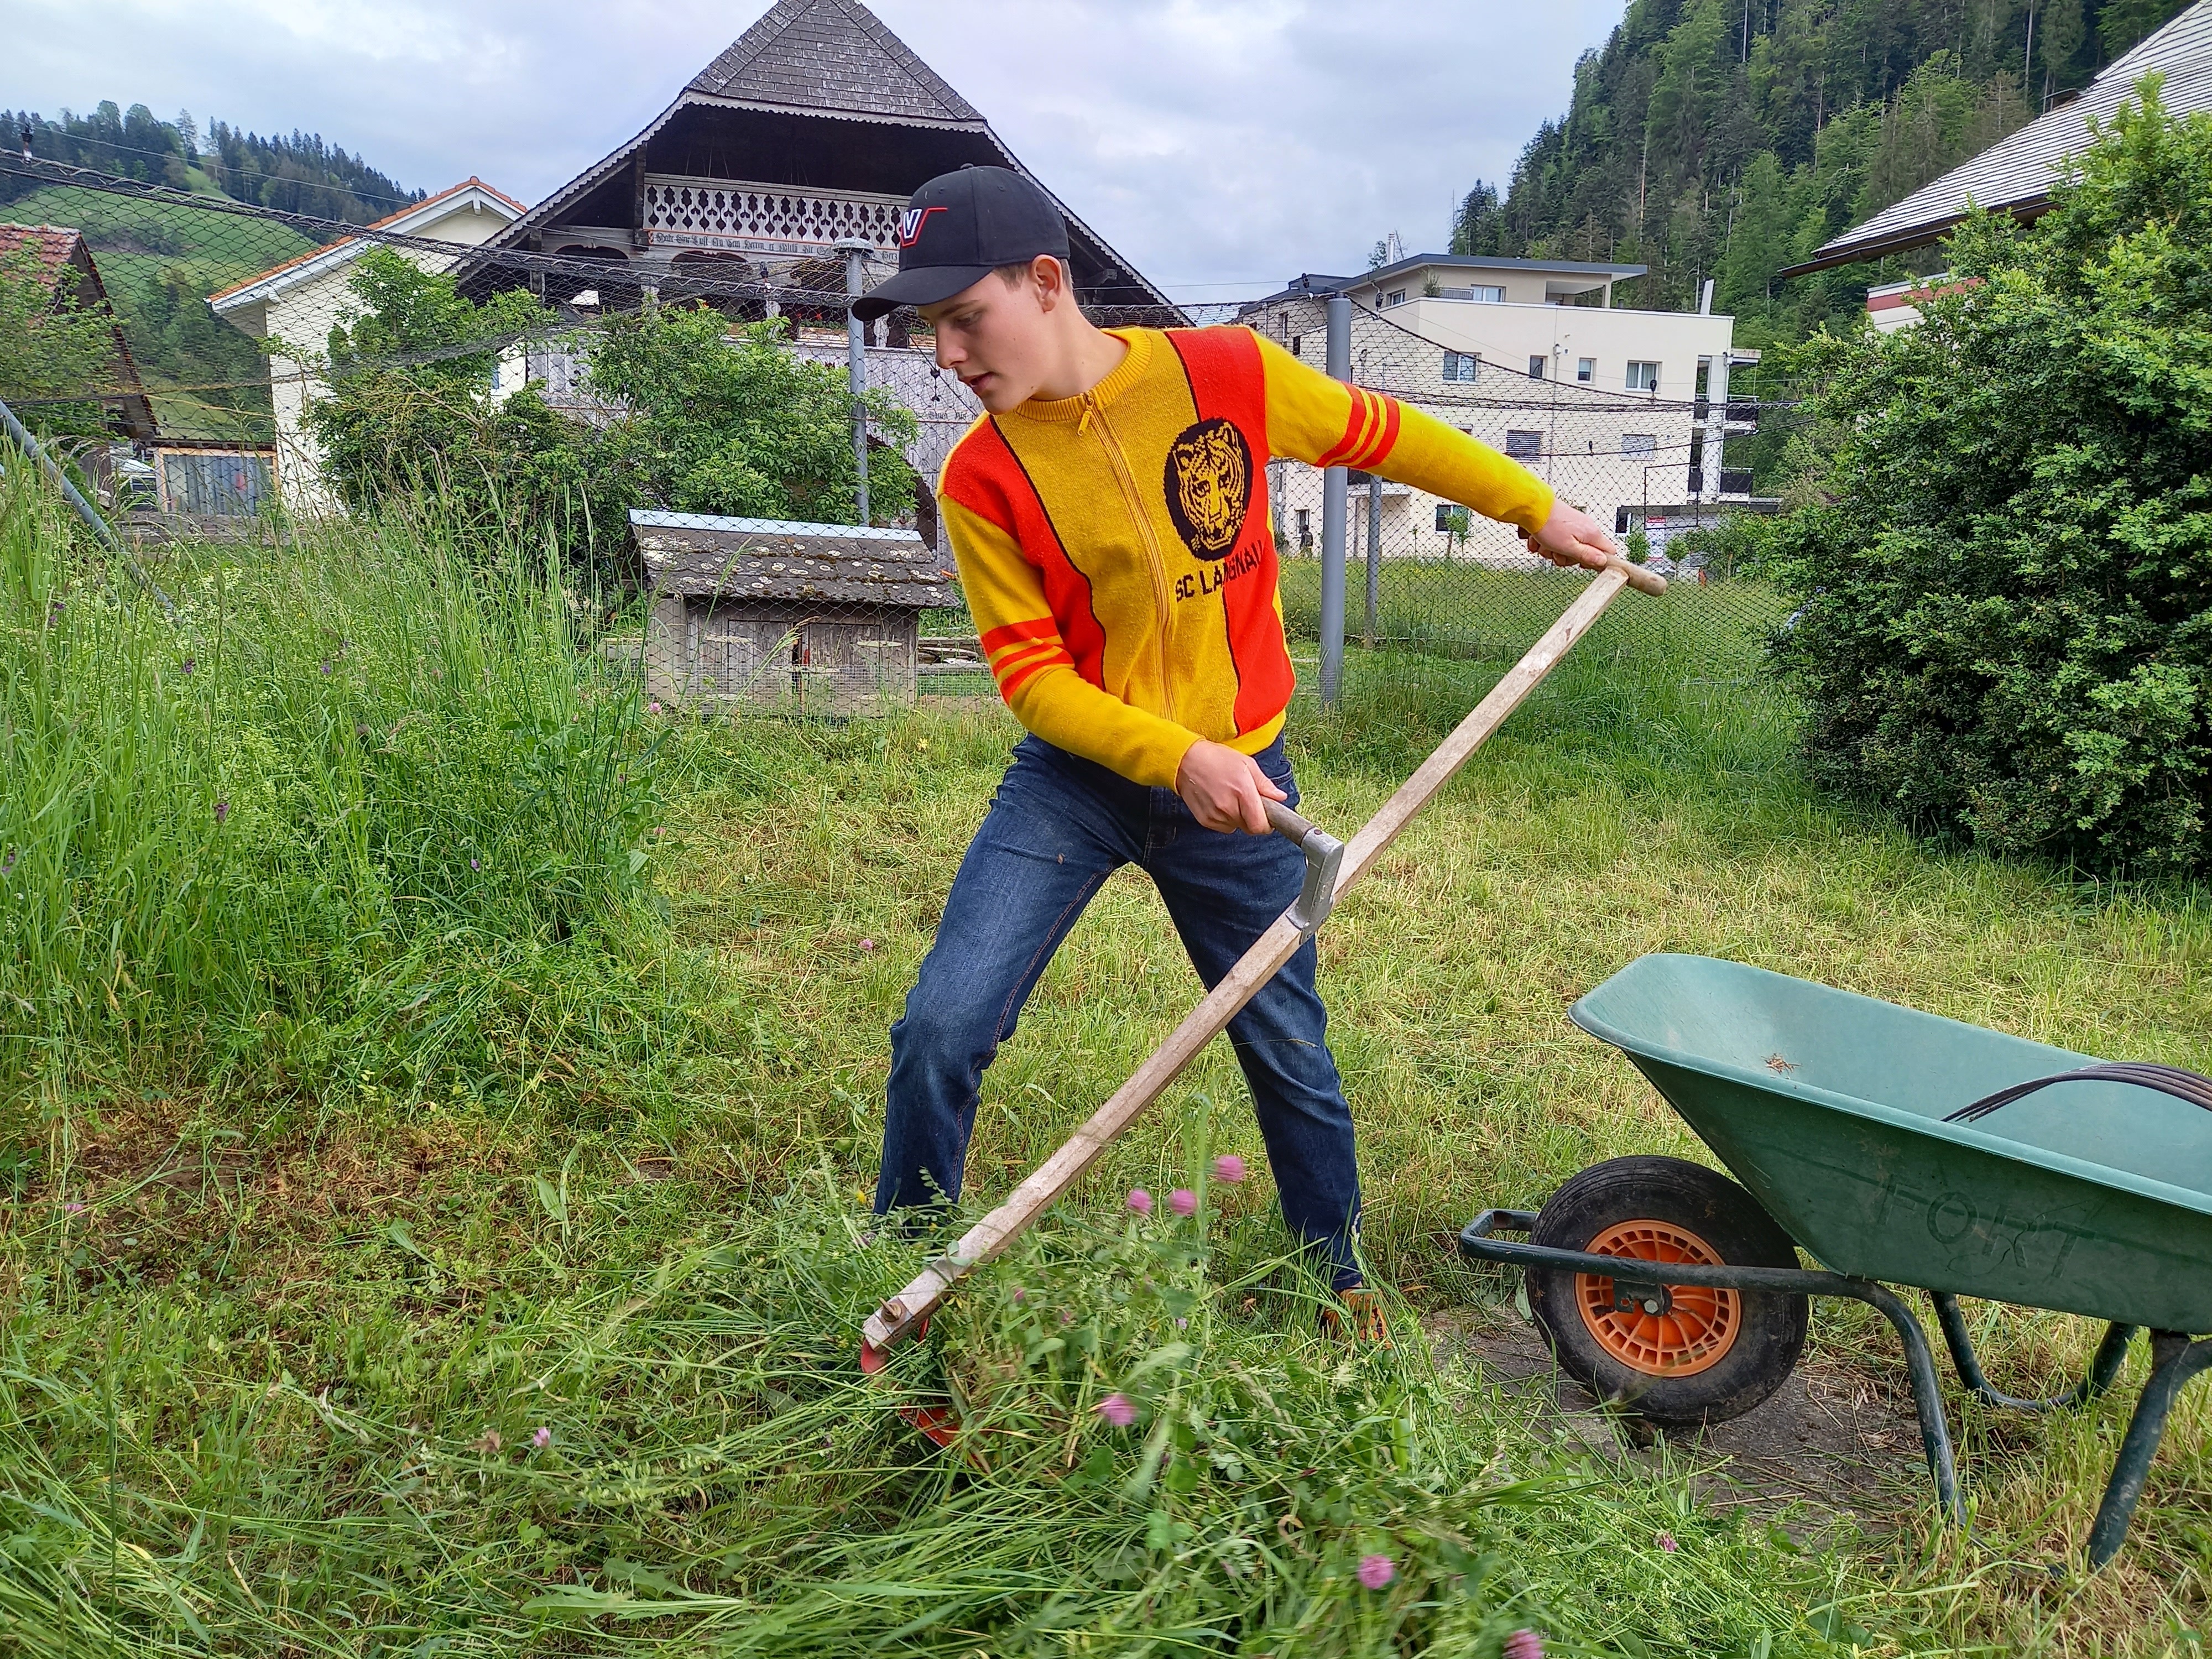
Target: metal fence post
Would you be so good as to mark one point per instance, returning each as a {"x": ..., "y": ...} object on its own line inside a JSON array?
[
  {"x": 856, "y": 252},
  {"x": 1374, "y": 553},
  {"x": 1333, "y": 483}
]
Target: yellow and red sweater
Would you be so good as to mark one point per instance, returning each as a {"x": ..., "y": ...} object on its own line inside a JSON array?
[{"x": 1116, "y": 548}]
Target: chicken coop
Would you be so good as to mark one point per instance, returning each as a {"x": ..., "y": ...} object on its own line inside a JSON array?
[{"x": 767, "y": 614}]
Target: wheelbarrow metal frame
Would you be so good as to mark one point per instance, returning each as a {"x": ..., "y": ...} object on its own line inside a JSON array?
[{"x": 2174, "y": 1358}]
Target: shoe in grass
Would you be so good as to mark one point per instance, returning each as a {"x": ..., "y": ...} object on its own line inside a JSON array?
[{"x": 1357, "y": 1316}]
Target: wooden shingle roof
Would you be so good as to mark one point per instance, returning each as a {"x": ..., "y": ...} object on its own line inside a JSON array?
[
  {"x": 781, "y": 561},
  {"x": 831, "y": 56},
  {"x": 2014, "y": 175}
]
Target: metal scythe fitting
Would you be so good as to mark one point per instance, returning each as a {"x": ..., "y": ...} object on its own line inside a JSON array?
[{"x": 1324, "y": 858}]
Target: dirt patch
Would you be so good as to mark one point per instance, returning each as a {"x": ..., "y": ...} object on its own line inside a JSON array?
[{"x": 1831, "y": 1436}]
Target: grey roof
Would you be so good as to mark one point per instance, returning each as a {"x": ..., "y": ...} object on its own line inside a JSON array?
[
  {"x": 825, "y": 57},
  {"x": 830, "y": 55},
  {"x": 1487, "y": 262},
  {"x": 702, "y": 555},
  {"x": 2015, "y": 174}
]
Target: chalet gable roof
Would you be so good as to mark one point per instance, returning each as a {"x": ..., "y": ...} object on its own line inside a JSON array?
[
  {"x": 833, "y": 56},
  {"x": 833, "y": 61},
  {"x": 2014, "y": 175}
]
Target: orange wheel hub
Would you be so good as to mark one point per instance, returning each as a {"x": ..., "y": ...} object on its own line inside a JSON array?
[{"x": 1697, "y": 1324}]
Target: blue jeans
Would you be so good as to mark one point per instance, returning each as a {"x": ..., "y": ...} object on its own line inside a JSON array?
[{"x": 1057, "y": 827}]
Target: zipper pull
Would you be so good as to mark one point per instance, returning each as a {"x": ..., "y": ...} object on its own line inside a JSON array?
[{"x": 1090, "y": 408}]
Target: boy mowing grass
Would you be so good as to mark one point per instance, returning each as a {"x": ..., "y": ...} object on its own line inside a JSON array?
[{"x": 1108, "y": 518}]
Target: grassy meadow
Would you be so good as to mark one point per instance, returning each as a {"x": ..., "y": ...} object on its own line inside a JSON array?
[{"x": 441, "y": 1098}]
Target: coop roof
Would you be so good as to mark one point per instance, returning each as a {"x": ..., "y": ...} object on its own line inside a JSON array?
[
  {"x": 783, "y": 561},
  {"x": 2014, "y": 175}
]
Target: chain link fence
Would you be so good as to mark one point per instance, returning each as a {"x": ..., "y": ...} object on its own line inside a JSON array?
[{"x": 212, "y": 368}]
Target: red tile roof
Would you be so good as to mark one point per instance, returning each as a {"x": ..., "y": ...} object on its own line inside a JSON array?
[
  {"x": 50, "y": 245},
  {"x": 471, "y": 181}
]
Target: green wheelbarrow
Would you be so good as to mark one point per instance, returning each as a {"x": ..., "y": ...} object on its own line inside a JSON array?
[{"x": 1896, "y": 1148}]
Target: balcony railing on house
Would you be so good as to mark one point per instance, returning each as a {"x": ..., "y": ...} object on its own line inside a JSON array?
[{"x": 741, "y": 217}]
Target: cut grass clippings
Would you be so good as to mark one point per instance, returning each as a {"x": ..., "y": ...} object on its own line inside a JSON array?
[{"x": 281, "y": 1341}]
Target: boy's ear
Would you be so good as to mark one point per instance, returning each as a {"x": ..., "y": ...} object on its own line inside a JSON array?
[{"x": 1050, "y": 276}]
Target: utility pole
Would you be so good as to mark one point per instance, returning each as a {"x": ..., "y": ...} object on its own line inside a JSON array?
[
  {"x": 856, "y": 251},
  {"x": 1333, "y": 483}
]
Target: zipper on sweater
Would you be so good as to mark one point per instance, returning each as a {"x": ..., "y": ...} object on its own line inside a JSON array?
[{"x": 1093, "y": 411}]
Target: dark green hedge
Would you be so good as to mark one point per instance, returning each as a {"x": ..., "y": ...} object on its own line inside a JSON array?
[{"x": 2005, "y": 579}]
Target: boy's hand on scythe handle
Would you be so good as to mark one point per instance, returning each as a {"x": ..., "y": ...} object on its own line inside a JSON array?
[
  {"x": 1570, "y": 537},
  {"x": 1225, "y": 789}
]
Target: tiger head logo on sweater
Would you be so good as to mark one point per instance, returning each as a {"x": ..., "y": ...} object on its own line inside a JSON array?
[{"x": 1209, "y": 485}]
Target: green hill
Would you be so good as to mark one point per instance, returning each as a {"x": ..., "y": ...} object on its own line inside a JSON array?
[
  {"x": 1729, "y": 138},
  {"x": 161, "y": 262}
]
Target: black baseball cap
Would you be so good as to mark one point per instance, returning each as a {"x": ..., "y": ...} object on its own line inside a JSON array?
[{"x": 959, "y": 228}]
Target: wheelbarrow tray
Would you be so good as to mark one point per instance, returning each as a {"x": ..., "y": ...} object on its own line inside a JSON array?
[{"x": 2090, "y": 1198}]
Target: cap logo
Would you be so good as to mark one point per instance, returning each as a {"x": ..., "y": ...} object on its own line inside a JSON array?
[{"x": 911, "y": 222}]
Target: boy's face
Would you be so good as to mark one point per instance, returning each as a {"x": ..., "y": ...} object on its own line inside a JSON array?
[{"x": 997, "y": 336}]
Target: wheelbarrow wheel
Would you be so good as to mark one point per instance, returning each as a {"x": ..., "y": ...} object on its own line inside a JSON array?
[{"x": 1676, "y": 1358}]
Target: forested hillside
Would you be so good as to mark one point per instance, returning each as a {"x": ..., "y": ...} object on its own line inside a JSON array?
[
  {"x": 299, "y": 174},
  {"x": 1729, "y": 138},
  {"x": 206, "y": 378}
]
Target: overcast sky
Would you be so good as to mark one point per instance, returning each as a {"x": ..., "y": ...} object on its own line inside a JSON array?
[{"x": 1221, "y": 145}]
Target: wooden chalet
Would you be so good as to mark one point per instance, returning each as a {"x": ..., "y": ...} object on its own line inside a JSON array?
[
  {"x": 63, "y": 263},
  {"x": 823, "y": 618},
  {"x": 813, "y": 127}
]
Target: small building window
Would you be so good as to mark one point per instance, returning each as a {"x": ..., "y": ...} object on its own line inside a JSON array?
[
  {"x": 1585, "y": 369},
  {"x": 1489, "y": 296},
  {"x": 1461, "y": 365},
  {"x": 1643, "y": 376},
  {"x": 1306, "y": 529},
  {"x": 1536, "y": 368},
  {"x": 1524, "y": 445},
  {"x": 1396, "y": 297},
  {"x": 1638, "y": 443},
  {"x": 1450, "y": 520},
  {"x": 1298, "y": 345}
]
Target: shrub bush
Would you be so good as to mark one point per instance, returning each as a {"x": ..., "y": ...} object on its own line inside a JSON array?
[{"x": 2005, "y": 570}]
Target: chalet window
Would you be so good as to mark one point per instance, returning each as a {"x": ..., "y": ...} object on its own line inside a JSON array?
[
  {"x": 1450, "y": 520},
  {"x": 1524, "y": 445},
  {"x": 1461, "y": 365},
  {"x": 1585, "y": 369},
  {"x": 1536, "y": 368},
  {"x": 1298, "y": 345},
  {"x": 1638, "y": 443},
  {"x": 1643, "y": 376},
  {"x": 1396, "y": 297},
  {"x": 1489, "y": 296}
]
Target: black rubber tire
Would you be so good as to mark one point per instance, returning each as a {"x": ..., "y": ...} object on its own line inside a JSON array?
[{"x": 1771, "y": 1331}]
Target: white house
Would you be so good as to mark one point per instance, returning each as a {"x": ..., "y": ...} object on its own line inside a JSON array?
[
  {"x": 1617, "y": 408},
  {"x": 298, "y": 301}
]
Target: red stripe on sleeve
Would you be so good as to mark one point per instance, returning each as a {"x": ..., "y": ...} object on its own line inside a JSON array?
[
  {"x": 1385, "y": 441},
  {"x": 1030, "y": 670},
  {"x": 1042, "y": 628},
  {"x": 1356, "y": 425},
  {"x": 1044, "y": 650}
]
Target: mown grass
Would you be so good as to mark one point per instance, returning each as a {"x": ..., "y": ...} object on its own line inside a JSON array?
[{"x": 275, "y": 1386}]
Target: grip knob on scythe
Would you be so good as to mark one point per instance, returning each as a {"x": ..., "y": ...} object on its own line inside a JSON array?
[{"x": 1324, "y": 858}]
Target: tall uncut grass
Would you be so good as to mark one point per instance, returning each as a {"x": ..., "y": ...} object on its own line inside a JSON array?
[{"x": 258, "y": 837}]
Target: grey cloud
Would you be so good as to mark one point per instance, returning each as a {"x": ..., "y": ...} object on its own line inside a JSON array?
[{"x": 1219, "y": 144}]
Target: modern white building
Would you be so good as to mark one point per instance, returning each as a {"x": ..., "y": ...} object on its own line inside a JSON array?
[
  {"x": 1617, "y": 408},
  {"x": 297, "y": 303}
]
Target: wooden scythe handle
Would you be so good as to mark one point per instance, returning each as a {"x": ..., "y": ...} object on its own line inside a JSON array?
[{"x": 898, "y": 1316}]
